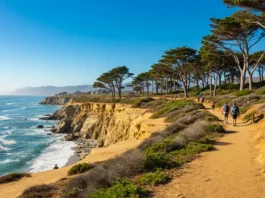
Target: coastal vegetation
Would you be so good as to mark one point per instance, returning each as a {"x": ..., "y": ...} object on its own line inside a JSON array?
[
  {"x": 13, "y": 177},
  {"x": 80, "y": 168},
  {"x": 180, "y": 142}
]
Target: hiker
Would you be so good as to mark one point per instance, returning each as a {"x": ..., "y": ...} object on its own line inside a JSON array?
[
  {"x": 199, "y": 98},
  {"x": 235, "y": 113},
  {"x": 55, "y": 167},
  {"x": 225, "y": 112},
  {"x": 202, "y": 99},
  {"x": 213, "y": 105}
]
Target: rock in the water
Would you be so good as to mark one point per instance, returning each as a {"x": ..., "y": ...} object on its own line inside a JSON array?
[{"x": 40, "y": 127}]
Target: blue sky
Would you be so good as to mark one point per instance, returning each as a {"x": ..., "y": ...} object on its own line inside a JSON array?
[{"x": 71, "y": 42}]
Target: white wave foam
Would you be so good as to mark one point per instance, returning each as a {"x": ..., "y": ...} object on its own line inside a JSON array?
[
  {"x": 7, "y": 161},
  {"x": 5, "y": 118},
  {"x": 10, "y": 103},
  {"x": 7, "y": 142},
  {"x": 57, "y": 153},
  {"x": 14, "y": 109},
  {"x": 4, "y": 148}
]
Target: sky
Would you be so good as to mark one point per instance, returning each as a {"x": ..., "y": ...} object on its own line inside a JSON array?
[{"x": 71, "y": 42}]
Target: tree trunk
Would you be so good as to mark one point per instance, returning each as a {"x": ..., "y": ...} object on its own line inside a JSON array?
[
  {"x": 250, "y": 80},
  {"x": 215, "y": 85},
  {"x": 224, "y": 77},
  {"x": 166, "y": 86},
  {"x": 157, "y": 89},
  {"x": 210, "y": 72},
  {"x": 242, "y": 79}
]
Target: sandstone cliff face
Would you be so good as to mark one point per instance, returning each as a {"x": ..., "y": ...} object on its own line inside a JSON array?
[
  {"x": 108, "y": 123},
  {"x": 55, "y": 100}
]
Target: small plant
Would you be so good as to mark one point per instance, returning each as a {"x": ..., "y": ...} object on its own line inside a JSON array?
[
  {"x": 215, "y": 128},
  {"x": 13, "y": 177},
  {"x": 243, "y": 92},
  {"x": 80, "y": 168},
  {"x": 157, "y": 177},
  {"x": 121, "y": 189}
]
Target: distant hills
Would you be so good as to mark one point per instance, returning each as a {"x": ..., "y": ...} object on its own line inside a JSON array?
[{"x": 52, "y": 90}]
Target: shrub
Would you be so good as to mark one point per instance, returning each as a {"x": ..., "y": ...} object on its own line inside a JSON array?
[
  {"x": 215, "y": 128},
  {"x": 157, "y": 177},
  {"x": 38, "y": 191},
  {"x": 141, "y": 101},
  {"x": 169, "y": 106},
  {"x": 80, "y": 168},
  {"x": 156, "y": 160},
  {"x": 174, "y": 128},
  {"x": 243, "y": 92},
  {"x": 194, "y": 131},
  {"x": 104, "y": 175},
  {"x": 121, "y": 189},
  {"x": 13, "y": 177}
]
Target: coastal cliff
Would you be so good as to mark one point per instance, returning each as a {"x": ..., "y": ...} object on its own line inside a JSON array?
[
  {"x": 107, "y": 123},
  {"x": 55, "y": 100}
]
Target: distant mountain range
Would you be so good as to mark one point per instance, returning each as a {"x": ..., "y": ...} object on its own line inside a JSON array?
[{"x": 52, "y": 90}]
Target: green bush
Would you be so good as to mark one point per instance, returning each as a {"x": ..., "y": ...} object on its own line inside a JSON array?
[
  {"x": 138, "y": 103},
  {"x": 80, "y": 168},
  {"x": 194, "y": 148},
  {"x": 121, "y": 189},
  {"x": 167, "y": 107},
  {"x": 13, "y": 177},
  {"x": 156, "y": 160},
  {"x": 243, "y": 92},
  {"x": 215, "y": 128},
  {"x": 261, "y": 92},
  {"x": 157, "y": 177},
  {"x": 249, "y": 116}
]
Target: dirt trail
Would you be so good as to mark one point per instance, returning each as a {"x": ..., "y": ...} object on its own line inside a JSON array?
[{"x": 231, "y": 171}]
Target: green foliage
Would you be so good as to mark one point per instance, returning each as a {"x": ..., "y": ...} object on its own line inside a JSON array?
[
  {"x": 156, "y": 160},
  {"x": 215, "y": 128},
  {"x": 170, "y": 106},
  {"x": 249, "y": 116},
  {"x": 121, "y": 189},
  {"x": 157, "y": 177},
  {"x": 141, "y": 101},
  {"x": 80, "y": 168},
  {"x": 13, "y": 177},
  {"x": 243, "y": 92},
  {"x": 261, "y": 92}
]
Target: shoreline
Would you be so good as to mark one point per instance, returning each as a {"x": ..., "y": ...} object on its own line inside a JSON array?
[{"x": 82, "y": 149}]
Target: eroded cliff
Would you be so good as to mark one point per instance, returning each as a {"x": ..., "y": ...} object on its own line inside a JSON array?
[
  {"x": 108, "y": 123},
  {"x": 55, "y": 100}
]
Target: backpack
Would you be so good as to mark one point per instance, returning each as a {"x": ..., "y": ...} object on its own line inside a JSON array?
[
  {"x": 234, "y": 110},
  {"x": 226, "y": 108}
]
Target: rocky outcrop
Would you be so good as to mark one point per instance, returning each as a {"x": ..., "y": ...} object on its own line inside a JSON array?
[
  {"x": 107, "y": 123},
  {"x": 55, "y": 100}
]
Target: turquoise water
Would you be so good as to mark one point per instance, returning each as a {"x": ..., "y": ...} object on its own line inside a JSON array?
[{"x": 23, "y": 147}]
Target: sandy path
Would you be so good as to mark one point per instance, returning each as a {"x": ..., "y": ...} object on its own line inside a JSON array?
[{"x": 231, "y": 171}]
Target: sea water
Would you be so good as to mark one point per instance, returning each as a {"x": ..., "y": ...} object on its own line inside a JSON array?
[{"x": 23, "y": 147}]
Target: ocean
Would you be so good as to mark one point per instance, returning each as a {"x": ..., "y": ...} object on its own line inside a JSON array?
[{"x": 23, "y": 147}]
